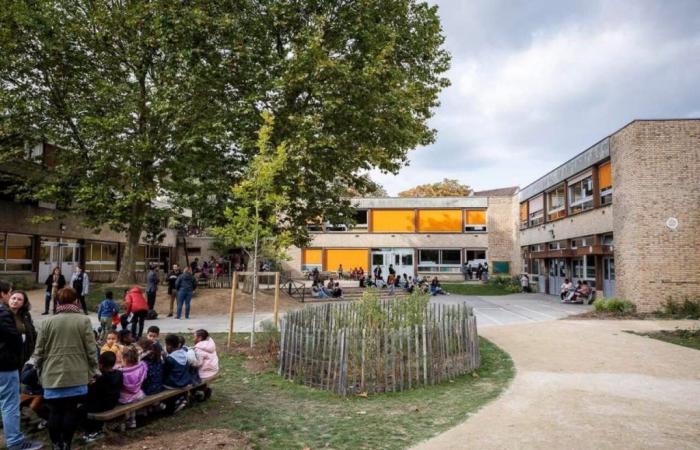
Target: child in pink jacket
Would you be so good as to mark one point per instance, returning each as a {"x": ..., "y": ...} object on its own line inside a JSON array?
[
  {"x": 207, "y": 359},
  {"x": 133, "y": 372}
]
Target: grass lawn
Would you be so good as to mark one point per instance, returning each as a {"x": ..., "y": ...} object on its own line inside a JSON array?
[
  {"x": 474, "y": 289},
  {"x": 277, "y": 414},
  {"x": 686, "y": 338}
]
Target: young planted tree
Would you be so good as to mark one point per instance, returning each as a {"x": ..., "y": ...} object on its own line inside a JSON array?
[{"x": 258, "y": 201}]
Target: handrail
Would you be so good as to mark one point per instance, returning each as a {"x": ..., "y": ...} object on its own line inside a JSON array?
[{"x": 295, "y": 288}]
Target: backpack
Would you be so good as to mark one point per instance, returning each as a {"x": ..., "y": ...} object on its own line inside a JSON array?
[{"x": 151, "y": 314}]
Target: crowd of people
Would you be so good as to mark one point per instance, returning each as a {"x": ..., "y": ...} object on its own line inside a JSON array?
[
  {"x": 393, "y": 282},
  {"x": 65, "y": 370}
]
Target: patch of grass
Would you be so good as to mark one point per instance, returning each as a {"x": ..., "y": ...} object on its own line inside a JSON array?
[
  {"x": 97, "y": 294},
  {"x": 614, "y": 306},
  {"x": 276, "y": 413},
  {"x": 475, "y": 289},
  {"x": 687, "y": 309},
  {"x": 685, "y": 337}
]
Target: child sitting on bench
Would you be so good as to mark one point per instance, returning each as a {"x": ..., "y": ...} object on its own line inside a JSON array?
[
  {"x": 103, "y": 394},
  {"x": 153, "y": 359},
  {"x": 134, "y": 373},
  {"x": 111, "y": 345},
  {"x": 177, "y": 370}
]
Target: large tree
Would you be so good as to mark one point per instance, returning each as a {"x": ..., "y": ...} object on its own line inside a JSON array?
[
  {"x": 444, "y": 188},
  {"x": 154, "y": 100}
]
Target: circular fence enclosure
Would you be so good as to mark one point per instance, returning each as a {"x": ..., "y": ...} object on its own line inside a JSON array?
[{"x": 336, "y": 347}]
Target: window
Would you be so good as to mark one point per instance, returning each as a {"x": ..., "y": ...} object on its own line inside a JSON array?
[
  {"x": 605, "y": 183},
  {"x": 581, "y": 242},
  {"x": 581, "y": 193},
  {"x": 475, "y": 255},
  {"x": 348, "y": 258},
  {"x": 393, "y": 220},
  {"x": 555, "y": 203},
  {"x": 584, "y": 268},
  {"x": 16, "y": 253},
  {"x": 378, "y": 259},
  {"x": 536, "y": 208},
  {"x": 100, "y": 257},
  {"x": 442, "y": 260},
  {"x": 523, "y": 215},
  {"x": 608, "y": 239},
  {"x": 558, "y": 245},
  {"x": 475, "y": 220},
  {"x": 406, "y": 260},
  {"x": 361, "y": 219}
]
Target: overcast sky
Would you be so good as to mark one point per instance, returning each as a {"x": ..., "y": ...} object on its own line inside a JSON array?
[{"x": 536, "y": 82}]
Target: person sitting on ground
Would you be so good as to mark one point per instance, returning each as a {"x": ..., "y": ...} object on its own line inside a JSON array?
[
  {"x": 583, "y": 292},
  {"x": 573, "y": 293},
  {"x": 103, "y": 395},
  {"x": 105, "y": 312},
  {"x": 435, "y": 288},
  {"x": 112, "y": 345},
  {"x": 566, "y": 287},
  {"x": 525, "y": 282},
  {"x": 153, "y": 359},
  {"x": 176, "y": 371},
  {"x": 318, "y": 291},
  {"x": 134, "y": 373},
  {"x": 337, "y": 291}
]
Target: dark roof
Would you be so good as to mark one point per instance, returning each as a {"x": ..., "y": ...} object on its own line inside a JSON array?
[{"x": 500, "y": 192}]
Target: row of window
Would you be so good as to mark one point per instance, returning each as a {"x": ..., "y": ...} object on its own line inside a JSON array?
[
  {"x": 579, "y": 190},
  {"x": 585, "y": 241},
  {"x": 15, "y": 252},
  {"x": 411, "y": 221}
]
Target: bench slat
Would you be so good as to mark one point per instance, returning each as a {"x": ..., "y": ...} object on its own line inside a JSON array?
[{"x": 149, "y": 400}]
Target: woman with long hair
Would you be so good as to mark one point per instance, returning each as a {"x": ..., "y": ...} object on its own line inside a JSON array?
[
  {"x": 20, "y": 306},
  {"x": 54, "y": 283},
  {"x": 66, "y": 358}
]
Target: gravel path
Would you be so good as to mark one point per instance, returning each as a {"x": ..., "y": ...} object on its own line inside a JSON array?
[{"x": 588, "y": 385}]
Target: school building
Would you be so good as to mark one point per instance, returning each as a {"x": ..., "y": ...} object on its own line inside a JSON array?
[{"x": 623, "y": 214}]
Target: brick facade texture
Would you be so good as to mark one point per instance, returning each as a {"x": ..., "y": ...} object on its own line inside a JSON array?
[
  {"x": 656, "y": 175},
  {"x": 503, "y": 232}
]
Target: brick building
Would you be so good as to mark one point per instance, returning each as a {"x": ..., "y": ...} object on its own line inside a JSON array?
[
  {"x": 418, "y": 236},
  {"x": 624, "y": 215}
]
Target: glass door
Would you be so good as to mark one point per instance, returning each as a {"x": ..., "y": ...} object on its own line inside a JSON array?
[{"x": 609, "y": 277}]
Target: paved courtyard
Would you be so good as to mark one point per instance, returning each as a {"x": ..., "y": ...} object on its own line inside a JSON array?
[{"x": 514, "y": 308}]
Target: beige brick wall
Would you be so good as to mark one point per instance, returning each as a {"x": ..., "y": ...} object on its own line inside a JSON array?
[
  {"x": 502, "y": 232},
  {"x": 595, "y": 221},
  {"x": 656, "y": 175}
]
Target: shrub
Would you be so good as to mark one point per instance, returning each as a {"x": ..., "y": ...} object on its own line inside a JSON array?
[
  {"x": 23, "y": 283},
  {"x": 615, "y": 306},
  {"x": 687, "y": 309},
  {"x": 509, "y": 284}
]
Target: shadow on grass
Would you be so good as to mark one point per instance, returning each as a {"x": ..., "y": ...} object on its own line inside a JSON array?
[{"x": 275, "y": 413}]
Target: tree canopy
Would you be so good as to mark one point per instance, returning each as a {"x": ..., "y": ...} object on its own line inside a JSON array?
[
  {"x": 444, "y": 188},
  {"x": 163, "y": 101}
]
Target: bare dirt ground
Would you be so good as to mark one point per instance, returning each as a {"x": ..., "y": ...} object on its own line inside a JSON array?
[
  {"x": 212, "y": 439},
  {"x": 218, "y": 301},
  {"x": 588, "y": 385}
]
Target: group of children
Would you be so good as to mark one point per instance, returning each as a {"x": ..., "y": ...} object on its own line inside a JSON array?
[{"x": 129, "y": 370}]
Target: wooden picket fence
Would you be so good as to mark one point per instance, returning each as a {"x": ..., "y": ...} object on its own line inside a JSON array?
[{"x": 329, "y": 347}]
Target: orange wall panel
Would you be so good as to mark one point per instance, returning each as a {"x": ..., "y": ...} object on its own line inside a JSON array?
[
  {"x": 349, "y": 258},
  {"x": 312, "y": 256},
  {"x": 440, "y": 220},
  {"x": 475, "y": 217},
  {"x": 393, "y": 221}
]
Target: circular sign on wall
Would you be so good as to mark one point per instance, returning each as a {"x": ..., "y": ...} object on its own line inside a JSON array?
[{"x": 672, "y": 223}]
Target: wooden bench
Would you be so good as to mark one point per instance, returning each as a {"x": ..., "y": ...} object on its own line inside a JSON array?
[{"x": 122, "y": 411}]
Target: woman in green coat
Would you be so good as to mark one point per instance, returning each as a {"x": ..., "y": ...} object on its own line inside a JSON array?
[{"x": 66, "y": 358}]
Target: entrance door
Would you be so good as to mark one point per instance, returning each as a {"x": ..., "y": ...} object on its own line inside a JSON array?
[
  {"x": 609, "y": 277},
  {"x": 58, "y": 254},
  {"x": 400, "y": 258},
  {"x": 557, "y": 273}
]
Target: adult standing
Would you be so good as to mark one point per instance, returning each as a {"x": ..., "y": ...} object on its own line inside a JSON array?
[
  {"x": 465, "y": 270},
  {"x": 152, "y": 281},
  {"x": 20, "y": 306},
  {"x": 172, "y": 291},
  {"x": 137, "y": 306},
  {"x": 185, "y": 286},
  {"x": 54, "y": 283},
  {"x": 66, "y": 359},
  {"x": 80, "y": 282},
  {"x": 10, "y": 356}
]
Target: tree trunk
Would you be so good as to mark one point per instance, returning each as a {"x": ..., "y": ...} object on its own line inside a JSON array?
[
  {"x": 127, "y": 269},
  {"x": 255, "y": 276}
]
